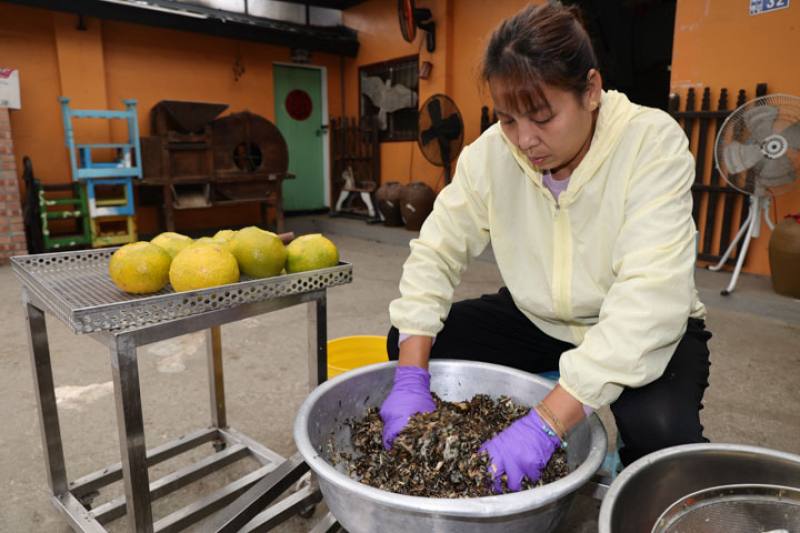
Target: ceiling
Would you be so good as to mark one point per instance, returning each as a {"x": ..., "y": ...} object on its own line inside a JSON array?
[{"x": 186, "y": 16}]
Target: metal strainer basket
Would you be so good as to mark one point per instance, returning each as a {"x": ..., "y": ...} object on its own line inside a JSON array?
[
  {"x": 638, "y": 497},
  {"x": 740, "y": 508}
]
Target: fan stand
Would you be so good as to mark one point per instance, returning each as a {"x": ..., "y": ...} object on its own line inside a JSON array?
[{"x": 751, "y": 225}]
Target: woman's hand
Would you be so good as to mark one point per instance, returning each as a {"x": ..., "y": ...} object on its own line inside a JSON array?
[
  {"x": 410, "y": 394},
  {"x": 524, "y": 448},
  {"x": 521, "y": 450}
]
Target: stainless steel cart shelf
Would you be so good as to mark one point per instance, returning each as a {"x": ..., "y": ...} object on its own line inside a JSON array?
[
  {"x": 74, "y": 287},
  {"x": 78, "y": 290}
]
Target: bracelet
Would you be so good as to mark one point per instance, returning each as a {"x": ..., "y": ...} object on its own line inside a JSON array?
[
  {"x": 557, "y": 425},
  {"x": 550, "y": 433}
]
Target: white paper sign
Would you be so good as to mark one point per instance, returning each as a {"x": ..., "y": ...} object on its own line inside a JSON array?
[{"x": 9, "y": 88}]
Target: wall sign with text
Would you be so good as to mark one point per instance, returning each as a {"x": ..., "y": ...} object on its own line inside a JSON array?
[{"x": 758, "y": 7}]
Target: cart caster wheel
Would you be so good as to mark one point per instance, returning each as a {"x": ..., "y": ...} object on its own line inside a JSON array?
[
  {"x": 219, "y": 445},
  {"x": 307, "y": 512},
  {"x": 88, "y": 498}
]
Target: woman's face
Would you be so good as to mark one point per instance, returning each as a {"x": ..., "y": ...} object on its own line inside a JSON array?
[{"x": 554, "y": 137}]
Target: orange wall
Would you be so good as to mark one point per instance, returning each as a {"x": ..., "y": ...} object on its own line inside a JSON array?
[
  {"x": 380, "y": 40},
  {"x": 462, "y": 31},
  {"x": 718, "y": 44},
  {"x": 111, "y": 61}
]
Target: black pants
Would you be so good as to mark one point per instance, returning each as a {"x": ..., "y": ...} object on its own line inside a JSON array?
[{"x": 663, "y": 413}]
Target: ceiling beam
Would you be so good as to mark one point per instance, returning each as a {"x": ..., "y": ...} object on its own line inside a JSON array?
[
  {"x": 185, "y": 17},
  {"x": 333, "y": 4}
]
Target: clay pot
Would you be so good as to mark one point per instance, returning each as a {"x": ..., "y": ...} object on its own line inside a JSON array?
[
  {"x": 388, "y": 197},
  {"x": 416, "y": 203},
  {"x": 784, "y": 256}
]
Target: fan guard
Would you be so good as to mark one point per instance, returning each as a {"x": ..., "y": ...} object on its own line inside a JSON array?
[{"x": 758, "y": 146}]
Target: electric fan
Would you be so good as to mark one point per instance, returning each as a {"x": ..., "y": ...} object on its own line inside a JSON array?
[
  {"x": 441, "y": 132},
  {"x": 756, "y": 152},
  {"x": 413, "y": 17}
]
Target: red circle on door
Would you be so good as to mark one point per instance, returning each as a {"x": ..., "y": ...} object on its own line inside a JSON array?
[{"x": 298, "y": 104}]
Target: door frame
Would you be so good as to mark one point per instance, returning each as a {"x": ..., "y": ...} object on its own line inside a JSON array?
[{"x": 326, "y": 147}]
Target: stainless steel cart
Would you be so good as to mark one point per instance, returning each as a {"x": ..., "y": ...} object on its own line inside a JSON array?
[{"x": 74, "y": 287}]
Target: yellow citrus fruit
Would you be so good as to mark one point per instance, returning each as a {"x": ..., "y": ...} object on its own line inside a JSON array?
[
  {"x": 260, "y": 253},
  {"x": 171, "y": 242},
  {"x": 225, "y": 234},
  {"x": 139, "y": 268},
  {"x": 203, "y": 265},
  {"x": 213, "y": 240},
  {"x": 311, "y": 252}
]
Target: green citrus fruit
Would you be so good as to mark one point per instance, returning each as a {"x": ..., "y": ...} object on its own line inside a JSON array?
[
  {"x": 171, "y": 242},
  {"x": 260, "y": 253},
  {"x": 311, "y": 252},
  {"x": 203, "y": 265},
  {"x": 139, "y": 268}
]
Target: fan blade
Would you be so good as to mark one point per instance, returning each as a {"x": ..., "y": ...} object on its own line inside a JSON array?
[
  {"x": 739, "y": 157},
  {"x": 775, "y": 169},
  {"x": 428, "y": 135},
  {"x": 786, "y": 179},
  {"x": 792, "y": 135},
  {"x": 451, "y": 127},
  {"x": 435, "y": 111},
  {"x": 760, "y": 120}
]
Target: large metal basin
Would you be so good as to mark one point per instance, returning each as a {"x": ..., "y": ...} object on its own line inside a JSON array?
[
  {"x": 647, "y": 487},
  {"x": 361, "y": 508}
]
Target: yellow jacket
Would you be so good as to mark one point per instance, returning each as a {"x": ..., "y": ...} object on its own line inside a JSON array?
[{"x": 609, "y": 267}]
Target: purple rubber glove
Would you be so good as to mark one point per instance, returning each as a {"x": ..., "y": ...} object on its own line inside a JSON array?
[
  {"x": 521, "y": 450},
  {"x": 410, "y": 394}
]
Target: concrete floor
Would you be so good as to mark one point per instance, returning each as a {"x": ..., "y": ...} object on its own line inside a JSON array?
[{"x": 754, "y": 396}]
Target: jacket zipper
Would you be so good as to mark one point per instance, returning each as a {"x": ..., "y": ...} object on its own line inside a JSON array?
[{"x": 562, "y": 267}]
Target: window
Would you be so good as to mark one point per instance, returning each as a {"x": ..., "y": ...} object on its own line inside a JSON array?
[{"x": 393, "y": 104}]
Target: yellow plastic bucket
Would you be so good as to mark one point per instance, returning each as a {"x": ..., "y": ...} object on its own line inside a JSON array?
[{"x": 347, "y": 353}]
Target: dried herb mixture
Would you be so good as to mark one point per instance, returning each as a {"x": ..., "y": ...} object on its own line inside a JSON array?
[{"x": 436, "y": 455}]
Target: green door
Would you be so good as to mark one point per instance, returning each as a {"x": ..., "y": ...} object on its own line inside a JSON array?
[{"x": 298, "y": 115}]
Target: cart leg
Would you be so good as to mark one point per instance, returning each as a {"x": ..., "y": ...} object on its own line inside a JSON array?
[
  {"x": 317, "y": 341},
  {"x": 46, "y": 396},
  {"x": 216, "y": 381},
  {"x": 125, "y": 371}
]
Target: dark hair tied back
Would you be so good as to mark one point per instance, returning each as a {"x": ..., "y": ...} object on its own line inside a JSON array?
[{"x": 545, "y": 44}]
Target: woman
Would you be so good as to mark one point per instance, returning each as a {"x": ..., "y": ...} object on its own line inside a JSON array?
[{"x": 586, "y": 200}]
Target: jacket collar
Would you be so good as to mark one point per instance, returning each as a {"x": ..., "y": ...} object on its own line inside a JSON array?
[{"x": 616, "y": 111}]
